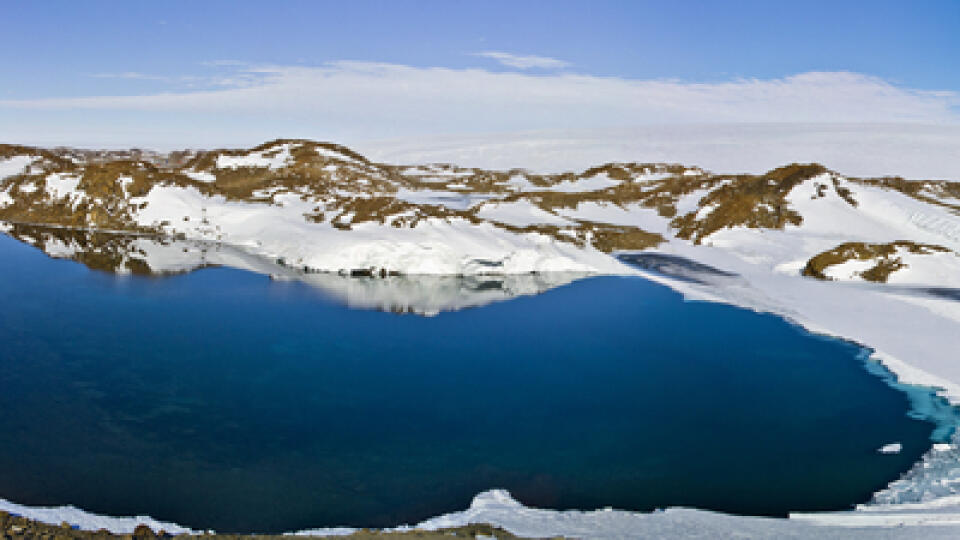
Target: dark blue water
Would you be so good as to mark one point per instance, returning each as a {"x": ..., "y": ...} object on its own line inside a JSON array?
[{"x": 221, "y": 399}]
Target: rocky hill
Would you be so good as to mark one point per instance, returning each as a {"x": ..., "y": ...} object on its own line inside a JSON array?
[{"x": 323, "y": 207}]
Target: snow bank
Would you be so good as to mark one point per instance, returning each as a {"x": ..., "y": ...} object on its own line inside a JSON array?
[
  {"x": 55, "y": 515},
  {"x": 15, "y": 165},
  {"x": 498, "y": 508},
  {"x": 435, "y": 246}
]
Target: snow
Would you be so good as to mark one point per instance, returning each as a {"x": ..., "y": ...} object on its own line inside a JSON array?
[
  {"x": 437, "y": 173},
  {"x": 125, "y": 182},
  {"x": 632, "y": 215},
  {"x": 690, "y": 202},
  {"x": 937, "y": 269},
  {"x": 448, "y": 199},
  {"x": 88, "y": 521},
  {"x": 15, "y": 165},
  {"x": 520, "y": 213},
  {"x": 706, "y": 210},
  {"x": 435, "y": 246},
  {"x": 497, "y": 507},
  {"x": 520, "y": 182},
  {"x": 849, "y": 270},
  {"x": 946, "y": 226},
  {"x": 333, "y": 154},
  {"x": 64, "y": 186},
  {"x": 202, "y": 176},
  {"x": 57, "y": 248},
  {"x": 597, "y": 182},
  {"x": 279, "y": 157},
  {"x": 591, "y": 183}
]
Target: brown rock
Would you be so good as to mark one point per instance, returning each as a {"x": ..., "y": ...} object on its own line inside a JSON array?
[{"x": 142, "y": 532}]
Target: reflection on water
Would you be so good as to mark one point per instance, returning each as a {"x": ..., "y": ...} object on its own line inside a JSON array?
[
  {"x": 673, "y": 266},
  {"x": 158, "y": 256}
]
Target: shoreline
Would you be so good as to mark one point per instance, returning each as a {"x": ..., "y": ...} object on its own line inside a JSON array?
[{"x": 17, "y": 527}]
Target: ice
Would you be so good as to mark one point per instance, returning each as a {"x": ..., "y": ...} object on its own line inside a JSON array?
[
  {"x": 892, "y": 448},
  {"x": 934, "y": 481}
]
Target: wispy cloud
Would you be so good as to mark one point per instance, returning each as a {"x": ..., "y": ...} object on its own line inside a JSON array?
[
  {"x": 235, "y": 78},
  {"x": 524, "y": 62},
  {"x": 366, "y": 91},
  {"x": 350, "y": 100},
  {"x": 134, "y": 75},
  {"x": 224, "y": 63}
]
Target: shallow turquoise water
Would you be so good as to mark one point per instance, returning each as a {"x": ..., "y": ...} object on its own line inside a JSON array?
[{"x": 221, "y": 399}]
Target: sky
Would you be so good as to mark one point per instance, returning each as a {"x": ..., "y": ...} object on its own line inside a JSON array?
[{"x": 215, "y": 73}]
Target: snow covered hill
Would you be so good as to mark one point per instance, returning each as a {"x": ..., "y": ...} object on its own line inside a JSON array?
[{"x": 327, "y": 208}]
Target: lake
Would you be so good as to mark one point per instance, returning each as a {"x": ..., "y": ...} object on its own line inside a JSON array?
[{"x": 223, "y": 399}]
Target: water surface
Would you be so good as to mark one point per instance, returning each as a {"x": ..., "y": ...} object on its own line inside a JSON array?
[{"x": 223, "y": 399}]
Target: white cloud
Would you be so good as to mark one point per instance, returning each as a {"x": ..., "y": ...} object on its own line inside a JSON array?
[
  {"x": 225, "y": 63},
  {"x": 524, "y": 62},
  {"x": 363, "y": 100},
  {"x": 135, "y": 75},
  {"x": 234, "y": 79}
]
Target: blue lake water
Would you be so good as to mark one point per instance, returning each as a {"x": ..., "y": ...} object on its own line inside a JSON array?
[{"x": 222, "y": 399}]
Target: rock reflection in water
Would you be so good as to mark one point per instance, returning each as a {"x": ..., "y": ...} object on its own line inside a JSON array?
[{"x": 121, "y": 253}]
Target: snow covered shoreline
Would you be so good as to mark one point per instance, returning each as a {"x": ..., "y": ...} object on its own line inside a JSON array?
[{"x": 498, "y": 508}]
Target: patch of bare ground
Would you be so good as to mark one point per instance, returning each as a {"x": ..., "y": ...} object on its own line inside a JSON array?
[{"x": 885, "y": 256}]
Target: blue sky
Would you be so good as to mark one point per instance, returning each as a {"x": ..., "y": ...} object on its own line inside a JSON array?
[{"x": 284, "y": 52}]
